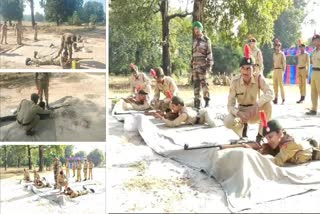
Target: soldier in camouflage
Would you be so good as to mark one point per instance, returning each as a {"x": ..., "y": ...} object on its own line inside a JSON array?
[
  {"x": 201, "y": 63},
  {"x": 56, "y": 169}
]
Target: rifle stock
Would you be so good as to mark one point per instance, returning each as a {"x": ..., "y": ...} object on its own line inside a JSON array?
[{"x": 240, "y": 144}]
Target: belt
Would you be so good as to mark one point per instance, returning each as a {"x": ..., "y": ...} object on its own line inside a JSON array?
[
  {"x": 246, "y": 105},
  {"x": 314, "y": 154},
  {"x": 197, "y": 120},
  {"x": 277, "y": 68},
  {"x": 316, "y": 69},
  {"x": 25, "y": 124},
  {"x": 301, "y": 67}
]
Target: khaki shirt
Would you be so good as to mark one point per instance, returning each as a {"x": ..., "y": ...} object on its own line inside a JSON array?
[
  {"x": 141, "y": 107},
  {"x": 79, "y": 166},
  {"x": 61, "y": 179},
  {"x": 247, "y": 94},
  {"x": 279, "y": 61},
  {"x": 85, "y": 165},
  {"x": 140, "y": 81},
  {"x": 67, "y": 165},
  {"x": 256, "y": 54},
  {"x": 74, "y": 165},
  {"x": 167, "y": 84},
  {"x": 26, "y": 176},
  {"x": 91, "y": 165},
  {"x": 36, "y": 176},
  {"x": 293, "y": 152},
  {"x": 316, "y": 58},
  {"x": 27, "y": 110},
  {"x": 304, "y": 61},
  {"x": 4, "y": 29},
  {"x": 202, "y": 53},
  {"x": 186, "y": 116}
]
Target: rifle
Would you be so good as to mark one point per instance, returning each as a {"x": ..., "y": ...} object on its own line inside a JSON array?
[
  {"x": 81, "y": 58},
  {"x": 157, "y": 114},
  {"x": 236, "y": 144}
]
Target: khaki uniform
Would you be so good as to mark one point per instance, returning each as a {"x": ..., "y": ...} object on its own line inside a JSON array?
[
  {"x": 142, "y": 82},
  {"x": 19, "y": 32},
  {"x": 42, "y": 82},
  {"x": 74, "y": 194},
  {"x": 225, "y": 80},
  {"x": 290, "y": 151},
  {"x": 188, "y": 116},
  {"x": 62, "y": 181},
  {"x": 67, "y": 169},
  {"x": 202, "y": 62},
  {"x": 56, "y": 170},
  {"x": 85, "y": 170},
  {"x": 63, "y": 62},
  {"x": 303, "y": 71},
  {"x": 167, "y": 85},
  {"x": 279, "y": 66},
  {"x": 247, "y": 96},
  {"x": 256, "y": 54},
  {"x": 36, "y": 176},
  {"x": 91, "y": 165},
  {"x": 79, "y": 167},
  {"x": 217, "y": 81},
  {"x": 74, "y": 168},
  {"x": 67, "y": 39},
  {"x": 27, "y": 114},
  {"x": 146, "y": 104},
  {"x": 26, "y": 176},
  {"x": 4, "y": 31},
  {"x": 315, "y": 79}
]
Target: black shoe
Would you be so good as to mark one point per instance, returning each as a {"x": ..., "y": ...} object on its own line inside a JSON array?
[
  {"x": 244, "y": 130},
  {"x": 197, "y": 103},
  {"x": 30, "y": 132},
  {"x": 283, "y": 101},
  {"x": 275, "y": 101},
  {"x": 207, "y": 100},
  {"x": 311, "y": 112},
  {"x": 301, "y": 99}
]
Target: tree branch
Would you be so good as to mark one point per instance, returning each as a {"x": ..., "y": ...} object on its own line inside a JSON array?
[{"x": 180, "y": 15}]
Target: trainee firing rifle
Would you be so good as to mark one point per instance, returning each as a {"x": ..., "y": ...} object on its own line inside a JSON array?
[{"x": 236, "y": 144}]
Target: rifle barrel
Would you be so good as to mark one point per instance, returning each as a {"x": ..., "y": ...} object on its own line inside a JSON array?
[{"x": 186, "y": 147}]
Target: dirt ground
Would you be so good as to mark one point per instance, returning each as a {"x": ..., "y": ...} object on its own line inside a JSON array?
[
  {"x": 13, "y": 56},
  {"x": 139, "y": 180}
]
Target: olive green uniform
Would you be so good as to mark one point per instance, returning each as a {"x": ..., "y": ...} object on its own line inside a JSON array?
[
  {"x": 201, "y": 62},
  {"x": 167, "y": 85},
  {"x": 56, "y": 170},
  {"x": 27, "y": 114},
  {"x": 303, "y": 70},
  {"x": 315, "y": 79},
  {"x": 279, "y": 66},
  {"x": 247, "y": 97}
]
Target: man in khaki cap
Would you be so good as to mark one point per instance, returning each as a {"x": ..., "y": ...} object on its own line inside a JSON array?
[
  {"x": 85, "y": 170},
  {"x": 91, "y": 165},
  {"x": 279, "y": 66},
  {"x": 79, "y": 167},
  {"x": 139, "y": 81},
  {"x": 244, "y": 91},
  {"x": 303, "y": 70}
]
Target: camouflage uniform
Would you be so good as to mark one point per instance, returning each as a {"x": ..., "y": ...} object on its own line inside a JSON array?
[
  {"x": 56, "y": 170},
  {"x": 246, "y": 97},
  {"x": 27, "y": 114},
  {"x": 279, "y": 66},
  {"x": 42, "y": 82},
  {"x": 4, "y": 30},
  {"x": 202, "y": 62},
  {"x": 167, "y": 85}
]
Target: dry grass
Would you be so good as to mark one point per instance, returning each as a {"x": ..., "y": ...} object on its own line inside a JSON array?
[{"x": 13, "y": 172}]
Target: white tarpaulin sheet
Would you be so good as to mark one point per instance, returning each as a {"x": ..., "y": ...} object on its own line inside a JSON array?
[{"x": 247, "y": 177}]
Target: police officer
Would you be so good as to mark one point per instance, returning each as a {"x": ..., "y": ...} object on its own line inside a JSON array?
[
  {"x": 67, "y": 168},
  {"x": 74, "y": 166},
  {"x": 27, "y": 113},
  {"x": 167, "y": 86},
  {"x": 139, "y": 81},
  {"x": 42, "y": 83},
  {"x": 91, "y": 165},
  {"x": 85, "y": 170},
  {"x": 68, "y": 41},
  {"x": 4, "y": 31},
  {"x": 79, "y": 167},
  {"x": 244, "y": 90},
  {"x": 303, "y": 70},
  {"x": 285, "y": 148},
  {"x": 26, "y": 175},
  {"x": 315, "y": 77},
  {"x": 201, "y": 63},
  {"x": 35, "y": 28},
  {"x": 62, "y": 180},
  {"x": 256, "y": 55},
  {"x": 19, "y": 32},
  {"x": 140, "y": 102},
  {"x": 279, "y": 66}
]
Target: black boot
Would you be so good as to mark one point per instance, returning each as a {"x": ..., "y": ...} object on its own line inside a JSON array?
[
  {"x": 244, "y": 130},
  {"x": 197, "y": 103},
  {"x": 207, "y": 100},
  {"x": 283, "y": 101},
  {"x": 301, "y": 99},
  {"x": 275, "y": 101}
]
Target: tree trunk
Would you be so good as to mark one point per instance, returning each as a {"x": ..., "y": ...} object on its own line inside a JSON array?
[
  {"x": 29, "y": 157},
  {"x": 40, "y": 158},
  {"x": 5, "y": 158},
  {"x": 32, "y": 12},
  {"x": 165, "y": 38},
  {"x": 198, "y": 10}
]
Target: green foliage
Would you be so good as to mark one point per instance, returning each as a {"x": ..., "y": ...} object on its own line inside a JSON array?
[
  {"x": 59, "y": 10},
  {"x": 81, "y": 154},
  {"x": 76, "y": 19},
  {"x": 68, "y": 151},
  {"x": 97, "y": 157},
  {"x": 93, "y": 12},
  {"x": 11, "y": 9}
]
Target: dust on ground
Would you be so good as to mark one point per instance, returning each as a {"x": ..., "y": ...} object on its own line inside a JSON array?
[
  {"x": 139, "y": 180},
  {"x": 14, "y": 56}
]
